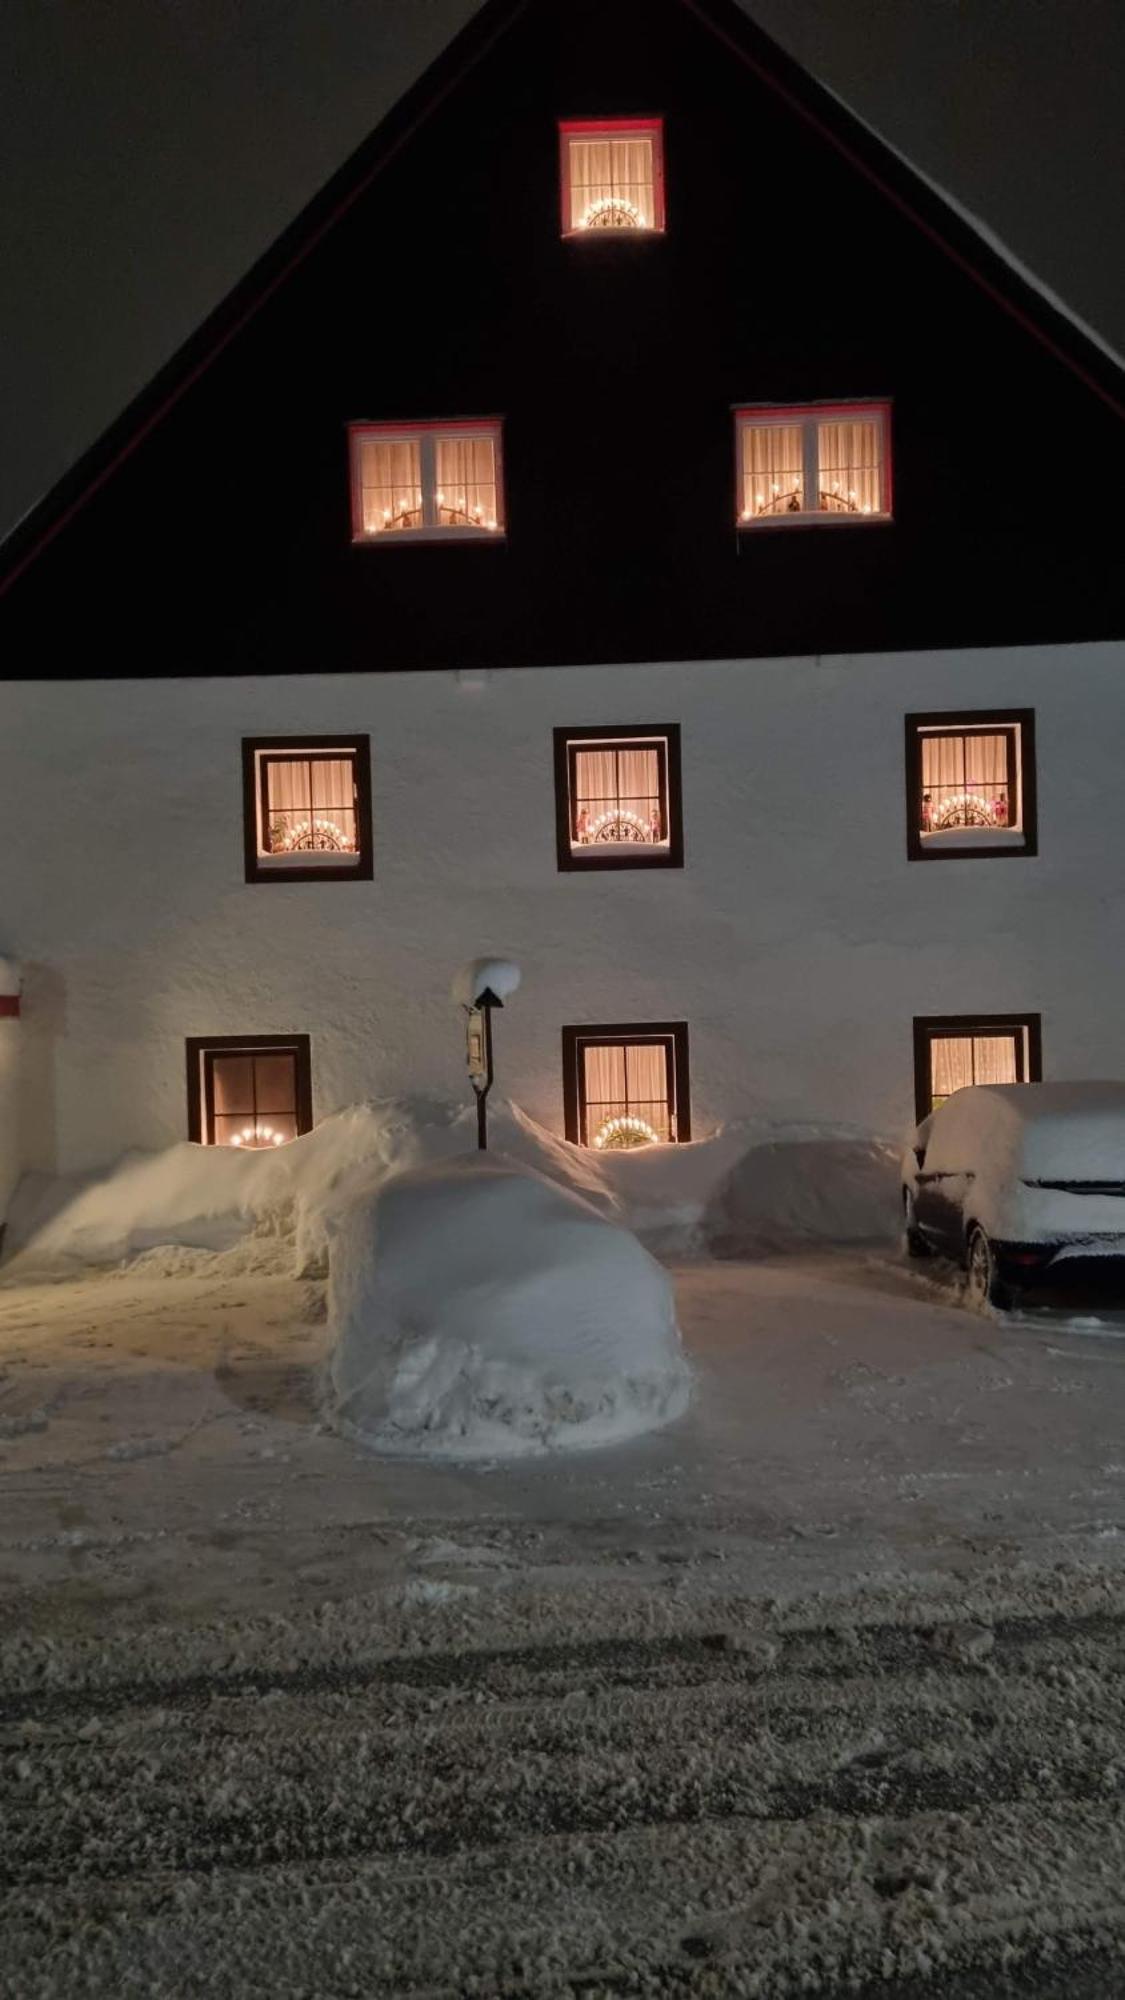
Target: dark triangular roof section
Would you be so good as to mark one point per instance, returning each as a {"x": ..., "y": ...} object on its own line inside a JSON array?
[{"x": 927, "y": 207}]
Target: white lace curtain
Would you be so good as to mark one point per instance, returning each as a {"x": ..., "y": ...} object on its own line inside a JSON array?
[
  {"x": 466, "y": 482},
  {"x": 612, "y": 781},
  {"x": 849, "y": 466},
  {"x": 447, "y": 482},
  {"x": 311, "y": 804},
  {"x": 772, "y": 469},
  {"x": 959, "y": 1060},
  {"x": 605, "y": 173},
  {"x": 626, "y": 1080},
  {"x": 390, "y": 483}
]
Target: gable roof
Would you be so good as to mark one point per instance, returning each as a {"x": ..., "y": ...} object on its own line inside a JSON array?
[{"x": 941, "y": 219}]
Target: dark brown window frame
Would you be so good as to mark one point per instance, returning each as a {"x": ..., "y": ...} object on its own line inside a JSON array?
[
  {"x": 973, "y": 722},
  {"x": 362, "y": 869},
  {"x": 673, "y": 1033},
  {"x": 927, "y": 1026},
  {"x": 199, "y": 1046},
  {"x": 623, "y": 735}
]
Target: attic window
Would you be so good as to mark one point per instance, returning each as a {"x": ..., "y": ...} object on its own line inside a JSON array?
[
  {"x": 826, "y": 462},
  {"x": 626, "y": 1086},
  {"x": 307, "y": 808},
  {"x": 617, "y": 797},
  {"x": 953, "y": 1051},
  {"x": 612, "y": 176},
  {"x": 970, "y": 783},
  {"x": 431, "y": 482}
]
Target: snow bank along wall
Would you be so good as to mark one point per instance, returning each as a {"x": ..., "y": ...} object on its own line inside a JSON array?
[{"x": 797, "y": 942}]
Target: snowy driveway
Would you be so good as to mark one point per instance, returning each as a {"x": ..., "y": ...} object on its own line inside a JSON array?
[{"x": 822, "y": 1684}]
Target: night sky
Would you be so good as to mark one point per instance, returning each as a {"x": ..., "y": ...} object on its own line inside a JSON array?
[{"x": 151, "y": 149}]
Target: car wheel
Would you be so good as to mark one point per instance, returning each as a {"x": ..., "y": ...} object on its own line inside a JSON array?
[
  {"x": 986, "y": 1287},
  {"x": 914, "y": 1242}
]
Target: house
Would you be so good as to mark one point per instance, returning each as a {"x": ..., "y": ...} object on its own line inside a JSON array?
[{"x": 630, "y": 521}]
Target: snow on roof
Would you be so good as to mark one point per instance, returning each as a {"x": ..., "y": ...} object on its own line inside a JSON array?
[{"x": 986, "y": 233}]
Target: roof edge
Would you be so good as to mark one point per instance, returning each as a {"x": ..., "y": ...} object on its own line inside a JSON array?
[{"x": 946, "y": 224}]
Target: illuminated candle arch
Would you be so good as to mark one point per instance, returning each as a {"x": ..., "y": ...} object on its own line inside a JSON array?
[
  {"x": 625, "y": 1130},
  {"x": 612, "y": 212},
  {"x": 315, "y": 836}
]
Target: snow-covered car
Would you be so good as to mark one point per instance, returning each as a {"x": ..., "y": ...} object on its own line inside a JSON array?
[{"x": 1021, "y": 1183}]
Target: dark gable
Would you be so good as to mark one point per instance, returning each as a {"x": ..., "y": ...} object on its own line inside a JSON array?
[{"x": 221, "y": 542}]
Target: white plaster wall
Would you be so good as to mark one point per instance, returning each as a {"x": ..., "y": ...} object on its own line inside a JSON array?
[{"x": 797, "y": 942}]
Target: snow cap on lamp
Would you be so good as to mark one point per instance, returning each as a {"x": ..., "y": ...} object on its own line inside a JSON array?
[{"x": 499, "y": 976}]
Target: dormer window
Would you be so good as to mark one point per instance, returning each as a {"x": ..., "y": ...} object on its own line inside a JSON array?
[
  {"x": 427, "y": 482},
  {"x": 827, "y": 462},
  {"x": 612, "y": 175}
]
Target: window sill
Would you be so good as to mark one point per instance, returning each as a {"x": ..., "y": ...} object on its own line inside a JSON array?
[
  {"x": 770, "y": 524},
  {"x": 967, "y": 843},
  {"x": 406, "y": 537}
]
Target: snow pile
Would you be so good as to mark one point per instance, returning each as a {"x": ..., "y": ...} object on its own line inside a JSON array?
[
  {"x": 479, "y": 1309},
  {"x": 754, "y": 1187},
  {"x": 787, "y": 1193}
]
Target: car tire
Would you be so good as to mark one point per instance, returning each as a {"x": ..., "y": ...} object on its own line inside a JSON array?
[
  {"x": 985, "y": 1285},
  {"x": 914, "y": 1243}
]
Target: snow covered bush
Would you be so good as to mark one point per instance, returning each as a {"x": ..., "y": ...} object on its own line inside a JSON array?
[{"x": 478, "y": 1309}]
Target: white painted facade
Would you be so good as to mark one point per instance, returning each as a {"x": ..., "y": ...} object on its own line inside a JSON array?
[{"x": 798, "y": 942}]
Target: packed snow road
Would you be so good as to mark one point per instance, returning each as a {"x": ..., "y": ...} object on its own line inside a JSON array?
[
  {"x": 761, "y": 1805},
  {"x": 818, "y": 1691}
]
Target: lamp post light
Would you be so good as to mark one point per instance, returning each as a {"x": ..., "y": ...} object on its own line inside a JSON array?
[{"x": 480, "y": 986}]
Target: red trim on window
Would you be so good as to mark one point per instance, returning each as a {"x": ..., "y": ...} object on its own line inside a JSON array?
[
  {"x": 491, "y": 427},
  {"x": 569, "y": 127},
  {"x": 9, "y": 1004},
  {"x": 801, "y": 413}
]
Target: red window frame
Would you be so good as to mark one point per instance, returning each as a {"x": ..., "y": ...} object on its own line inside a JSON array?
[
  {"x": 803, "y": 413},
  {"x": 420, "y": 428},
  {"x": 570, "y": 128}
]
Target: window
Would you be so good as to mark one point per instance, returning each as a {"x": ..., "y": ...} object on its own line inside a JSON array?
[
  {"x": 250, "y": 1091},
  {"x": 952, "y": 1051},
  {"x": 830, "y": 462},
  {"x": 612, "y": 175},
  {"x": 970, "y": 783},
  {"x": 626, "y": 1086},
  {"x": 617, "y": 797},
  {"x": 306, "y": 807},
  {"x": 432, "y": 482}
]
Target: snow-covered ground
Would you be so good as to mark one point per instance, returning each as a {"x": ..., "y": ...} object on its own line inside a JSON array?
[{"x": 815, "y": 1690}]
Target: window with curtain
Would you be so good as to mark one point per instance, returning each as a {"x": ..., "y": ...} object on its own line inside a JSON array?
[
  {"x": 612, "y": 176},
  {"x": 307, "y": 807},
  {"x": 626, "y": 1086},
  {"x": 250, "y": 1092},
  {"x": 816, "y": 464},
  {"x": 618, "y": 798},
  {"x": 432, "y": 482},
  {"x": 970, "y": 783},
  {"x": 953, "y": 1052}
]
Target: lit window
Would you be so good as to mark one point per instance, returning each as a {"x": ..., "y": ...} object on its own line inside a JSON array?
[
  {"x": 830, "y": 462},
  {"x": 250, "y": 1092},
  {"x": 307, "y": 808},
  {"x": 612, "y": 175},
  {"x": 952, "y": 1051},
  {"x": 427, "y": 482},
  {"x": 970, "y": 783},
  {"x": 617, "y": 797},
  {"x": 626, "y": 1086}
]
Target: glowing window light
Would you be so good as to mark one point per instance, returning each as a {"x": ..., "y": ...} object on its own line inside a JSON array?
[
  {"x": 254, "y": 1137},
  {"x": 624, "y": 1131}
]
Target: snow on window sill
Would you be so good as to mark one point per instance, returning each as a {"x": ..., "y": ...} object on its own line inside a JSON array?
[{"x": 950, "y": 839}]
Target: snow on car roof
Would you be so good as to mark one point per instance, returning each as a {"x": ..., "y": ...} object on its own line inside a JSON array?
[{"x": 1071, "y": 1131}]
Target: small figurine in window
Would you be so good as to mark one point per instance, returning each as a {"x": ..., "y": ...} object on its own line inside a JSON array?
[
  {"x": 927, "y": 813},
  {"x": 582, "y": 824},
  {"x": 1000, "y": 810}
]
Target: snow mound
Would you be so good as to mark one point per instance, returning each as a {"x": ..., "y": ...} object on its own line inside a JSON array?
[
  {"x": 785, "y": 1194},
  {"x": 479, "y": 1310}
]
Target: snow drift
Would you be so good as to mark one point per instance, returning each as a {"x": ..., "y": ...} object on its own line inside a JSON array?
[
  {"x": 480, "y": 1309},
  {"x": 753, "y": 1188}
]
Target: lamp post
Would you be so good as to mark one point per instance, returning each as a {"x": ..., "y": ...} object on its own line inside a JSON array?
[
  {"x": 479, "y": 987},
  {"x": 478, "y": 1040}
]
